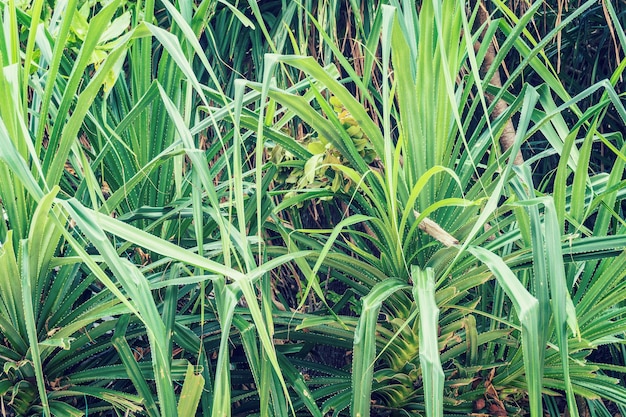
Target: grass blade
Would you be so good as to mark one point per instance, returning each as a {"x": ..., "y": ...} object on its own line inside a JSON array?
[
  {"x": 132, "y": 368},
  {"x": 190, "y": 395},
  {"x": 527, "y": 308},
  {"x": 365, "y": 345},
  {"x": 29, "y": 317},
  {"x": 432, "y": 372}
]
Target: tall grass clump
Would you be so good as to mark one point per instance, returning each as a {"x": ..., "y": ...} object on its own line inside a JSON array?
[
  {"x": 97, "y": 133},
  {"x": 441, "y": 185},
  {"x": 326, "y": 208}
]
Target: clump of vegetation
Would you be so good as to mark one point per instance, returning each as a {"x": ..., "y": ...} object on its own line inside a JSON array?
[
  {"x": 325, "y": 169},
  {"x": 335, "y": 208}
]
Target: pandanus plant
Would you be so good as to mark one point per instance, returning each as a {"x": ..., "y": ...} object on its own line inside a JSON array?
[
  {"x": 434, "y": 203},
  {"x": 65, "y": 347},
  {"x": 449, "y": 204}
]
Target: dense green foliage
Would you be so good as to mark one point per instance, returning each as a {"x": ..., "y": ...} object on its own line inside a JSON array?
[{"x": 279, "y": 208}]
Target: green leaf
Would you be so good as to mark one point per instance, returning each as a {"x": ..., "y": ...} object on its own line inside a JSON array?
[
  {"x": 29, "y": 317},
  {"x": 190, "y": 394},
  {"x": 432, "y": 372},
  {"x": 364, "y": 352},
  {"x": 527, "y": 308}
]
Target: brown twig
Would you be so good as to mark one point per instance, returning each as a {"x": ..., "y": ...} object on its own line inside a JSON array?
[
  {"x": 508, "y": 135},
  {"x": 433, "y": 229}
]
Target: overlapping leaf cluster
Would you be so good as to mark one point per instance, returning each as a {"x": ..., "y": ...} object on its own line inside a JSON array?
[
  {"x": 196, "y": 195},
  {"x": 323, "y": 170}
]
